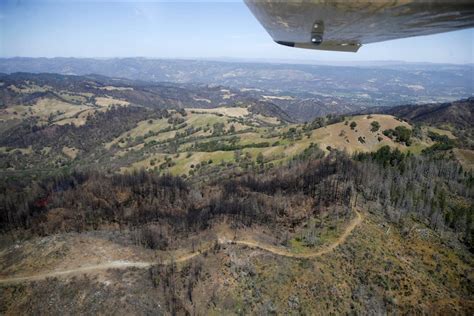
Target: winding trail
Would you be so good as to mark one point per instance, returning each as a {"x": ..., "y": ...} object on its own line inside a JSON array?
[
  {"x": 121, "y": 264},
  {"x": 312, "y": 254}
]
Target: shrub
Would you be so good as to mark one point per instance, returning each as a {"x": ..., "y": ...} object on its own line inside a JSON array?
[
  {"x": 375, "y": 126},
  {"x": 400, "y": 133}
]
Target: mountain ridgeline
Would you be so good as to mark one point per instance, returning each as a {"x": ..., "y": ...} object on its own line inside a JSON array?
[
  {"x": 306, "y": 90},
  {"x": 151, "y": 95},
  {"x": 456, "y": 116}
]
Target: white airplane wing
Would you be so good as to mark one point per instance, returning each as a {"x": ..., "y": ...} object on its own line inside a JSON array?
[{"x": 345, "y": 25}]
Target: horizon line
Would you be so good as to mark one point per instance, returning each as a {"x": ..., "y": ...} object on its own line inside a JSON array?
[{"x": 248, "y": 60}]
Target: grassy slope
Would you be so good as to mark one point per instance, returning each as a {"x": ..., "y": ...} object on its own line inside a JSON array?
[
  {"x": 338, "y": 135},
  {"x": 465, "y": 157},
  {"x": 147, "y": 144},
  {"x": 341, "y": 136}
]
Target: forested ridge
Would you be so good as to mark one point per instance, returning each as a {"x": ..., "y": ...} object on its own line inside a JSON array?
[
  {"x": 99, "y": 128},
  {"x": 435, "y": 191}
]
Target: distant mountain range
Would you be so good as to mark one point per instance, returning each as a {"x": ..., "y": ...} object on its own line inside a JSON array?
[{"x": 311, "y": 90}]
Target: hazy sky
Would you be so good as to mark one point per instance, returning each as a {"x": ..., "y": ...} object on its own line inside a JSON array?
[{"x": 193, "y": 29}]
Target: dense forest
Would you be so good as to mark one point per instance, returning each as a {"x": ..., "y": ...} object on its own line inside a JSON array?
[{"x": 436, "y": 191}]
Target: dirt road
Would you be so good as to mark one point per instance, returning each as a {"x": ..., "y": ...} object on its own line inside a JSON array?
[
  {"x": 311, "y": 254},
  {"x": 139, "y": 264}
]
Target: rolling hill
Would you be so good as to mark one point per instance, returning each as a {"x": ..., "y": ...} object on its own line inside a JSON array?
[
  {"x": 453, "y": 119},
  {"x": 458, "y": 114},
  {"x": 51, "y": 121}
]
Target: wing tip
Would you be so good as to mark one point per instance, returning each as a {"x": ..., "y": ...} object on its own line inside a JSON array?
[{"x": 289, "y": 44}]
